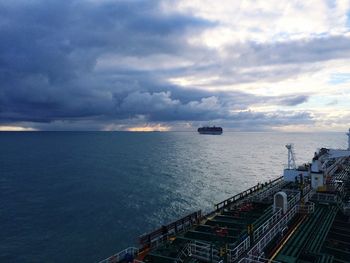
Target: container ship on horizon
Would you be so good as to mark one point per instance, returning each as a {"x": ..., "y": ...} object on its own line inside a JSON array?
[
  {"x": 210, "y": 130},
  {"x": 300, "y": 217}
]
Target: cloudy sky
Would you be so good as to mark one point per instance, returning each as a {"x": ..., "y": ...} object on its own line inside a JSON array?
[{"x": 175, "y": 65}]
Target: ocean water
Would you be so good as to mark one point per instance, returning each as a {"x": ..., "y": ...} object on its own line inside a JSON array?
[{"x": 82, "y": 196}]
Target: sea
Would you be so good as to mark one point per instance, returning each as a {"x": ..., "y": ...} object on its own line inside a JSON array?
[{"x": 83, "y": 196}]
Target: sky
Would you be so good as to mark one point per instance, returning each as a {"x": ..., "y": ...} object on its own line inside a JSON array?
[{"x": 175, "y": 65}]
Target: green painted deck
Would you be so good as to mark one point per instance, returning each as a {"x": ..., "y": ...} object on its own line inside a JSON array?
[{"x": 242, "y": 228}]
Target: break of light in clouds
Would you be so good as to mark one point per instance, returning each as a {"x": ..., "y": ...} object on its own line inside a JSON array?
[{"x": 174, "y": 65}]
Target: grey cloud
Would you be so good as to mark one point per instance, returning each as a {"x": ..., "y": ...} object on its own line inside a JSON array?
[
  {"x": 295, "y": 100},
  {"x": 49, "y": 51},
  {"x": 291, "y": 100},
  {"x": 162, "y": 106},
  {"x": 249, "y": 62},
  {"x": 290, "y": 52}
]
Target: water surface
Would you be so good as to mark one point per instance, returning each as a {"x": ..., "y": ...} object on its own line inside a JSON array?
[{"x": 82, "y": 196}]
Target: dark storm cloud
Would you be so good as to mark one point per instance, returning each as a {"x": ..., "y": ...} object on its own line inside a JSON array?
[
  {"x": 163, "y": 106},
  {"x": 49, "y": 51},
  {"x": 61, "y": 39}
]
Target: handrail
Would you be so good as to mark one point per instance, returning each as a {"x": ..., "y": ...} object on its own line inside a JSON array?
[
  {"x": 244, "y": 194},
  {"x": 264, "y": 227},
  {"x": 334, "y": 167},
  {"x": 160, "y": 235},
  {"x": 258, "y": 248},
  {"x": 323, "y": 197},
  {"x": 237, "y": 251},
  {"x": 183, "y": 253},
  {"x": 294, "y": 200},
  {"x": 274, "y": 188},
  {"x": 307, "y": 208},
  {"x": 203, "y": 251},
  {"x": 120, "y": 255},
  {"x": 257, "y": 260},
  {"x": 234, "y": 254},
  {"x": 307, "y": 188},
  {"x": 307, "y": 196}
]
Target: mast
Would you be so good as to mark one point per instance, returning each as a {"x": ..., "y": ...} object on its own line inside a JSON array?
[{"x": 291, "y": 157}]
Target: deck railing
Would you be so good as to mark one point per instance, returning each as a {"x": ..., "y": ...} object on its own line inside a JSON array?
[
  {"x": 326, "y": 198},
  {"x": 307, "y": 208},
  {"x": 184, "y": 253},
  {"x": 247, "y": 193},
  {"x": 269, "y": 191},
  {"x": 267, "y": 230},
  {"x": 308, "y": 195},
  {"x": 306, "y": 189},
  {"x": 257, "y": 260},
  {"x": 203, "y": 251},
  {"x": 162, "y": 234},
  {"x": 258, "y": 248},
  {"x": 264, "y": 227},
  {"x": 346, "y": 209},
  {"x": 294, "y": 200},
  {"x": 234, "y": 254},
  {"x": 334, "y": 167},
  {"x": 274, "y": 225},
  {"x": 121, "y": 255}
]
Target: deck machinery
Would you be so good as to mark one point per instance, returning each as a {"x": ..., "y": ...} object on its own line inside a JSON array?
[{"x": 302, "y": 216}]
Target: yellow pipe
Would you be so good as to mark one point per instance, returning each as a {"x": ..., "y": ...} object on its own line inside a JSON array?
[{"x": 286, "y": 240}]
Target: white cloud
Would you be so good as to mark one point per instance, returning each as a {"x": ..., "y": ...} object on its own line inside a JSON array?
[{"x": 268, "y": 20}]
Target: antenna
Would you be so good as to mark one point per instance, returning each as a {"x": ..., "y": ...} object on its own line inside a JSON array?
[{"x": 291, "y": 157}]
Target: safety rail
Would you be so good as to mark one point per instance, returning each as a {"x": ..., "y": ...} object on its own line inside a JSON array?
[
  {"x": 203, "y": 251},
  {"x": 258, "y": 248},
  {"x": 342, "y": 174},
  {"x": 121, "y": 255},
  {"x": 269, "y": 191},
  {"x": 307, "y": 188},
  {"x": 161, "y": 235},
  {"x": 270, "y": 228},
  {"x": 264, "y": 227},
  {"x": 237, "y": 197},
  {"x": 234, "y": 254},
  {"x": 184, "y": 253},
  {"x": 257, "y": 260},
  {"x": 243, "y": 195},
  {"x": 306, "y": 208},
  {"x": 334, "y": 167},
  {"x": 327, "y": 198},
  {"x": 294, "y": 200},
  {"x": 346, "y": 208},
  {"x": 308, "y": 195}
]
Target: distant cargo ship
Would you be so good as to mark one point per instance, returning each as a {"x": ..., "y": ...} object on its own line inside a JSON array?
[{"x": 210, "y": 130}]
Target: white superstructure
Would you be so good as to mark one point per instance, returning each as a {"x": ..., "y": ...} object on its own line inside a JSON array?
[
  {"x": 292, "y": 173},
  {"x": 324, "y": 164}
]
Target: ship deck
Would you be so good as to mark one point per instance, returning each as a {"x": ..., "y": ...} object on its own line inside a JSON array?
[{"x": 315, "y": 227}]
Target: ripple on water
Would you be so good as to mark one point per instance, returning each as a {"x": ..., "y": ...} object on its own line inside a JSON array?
[{"x": 83, "y": 196}]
